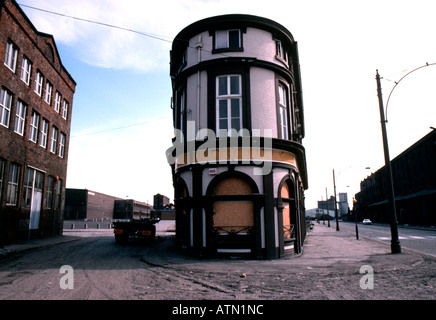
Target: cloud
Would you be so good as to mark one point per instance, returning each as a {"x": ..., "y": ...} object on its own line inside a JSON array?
[
  {"x": 114, "y": 47},
  {"x": 106, "y": 43}
]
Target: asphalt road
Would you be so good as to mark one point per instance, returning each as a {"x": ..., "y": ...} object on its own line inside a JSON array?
[
  {"x": 421, "y": 240},
  {"x": 89, "y": 265}
]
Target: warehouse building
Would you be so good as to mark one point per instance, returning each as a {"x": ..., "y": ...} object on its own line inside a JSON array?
[
  {"x": 414, "y": 178},
  {"x": 36, "y": 102}
]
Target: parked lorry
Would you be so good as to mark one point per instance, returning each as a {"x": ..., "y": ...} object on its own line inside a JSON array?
[
  {"x": 130, "y": 223},
  {"x": 144, "y": 229}
]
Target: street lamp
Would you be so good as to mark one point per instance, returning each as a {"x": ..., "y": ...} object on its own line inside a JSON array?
[
  {"x": 327, "y": 205},
  {"x": 355, "y": 219},
  {"x": 395, "y": 242},
  {"x": 336, "y": 203},
  {"x": 323, "y": 214}
]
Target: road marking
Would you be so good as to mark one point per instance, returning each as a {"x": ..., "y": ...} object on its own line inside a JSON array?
[{"x": 408, "y": 238}]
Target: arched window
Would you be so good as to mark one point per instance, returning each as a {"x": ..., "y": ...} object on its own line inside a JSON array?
[
  {"x": 287, "y": 197},
  {"x": 232, "y": 212}
]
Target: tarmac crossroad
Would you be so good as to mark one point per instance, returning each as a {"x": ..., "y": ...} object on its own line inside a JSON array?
[{"x": 334, "y": 265}]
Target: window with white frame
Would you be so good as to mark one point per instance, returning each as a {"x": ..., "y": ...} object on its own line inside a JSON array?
[
  {"x": 228, "y": 103},
  {"x": 33, "y": 181},
  {"x": 281, "y": 51},
  {"x": 283, "y": 105},
  {"x": 228, "y": 39},
  {"x": 53, "y": 139},
  {"x": 11, "y": 55},
  {"x": 14, "y": 177},
  {"x": 62, "y": 140},
  {"x": 39, "y": 79},
  {"x": 49, "y": 192},
  {"x": 20, "y": 118},
  {"x": 43, "y": 134},
  {"x": 48, "y": 90},
  {"x": 5, "y": 107},
  {"x": 29, "y": 175},
  {"x": 65, "y": 109},
  {"x": 58, "y": 98},
  {"x": 26, "y": 68},
  {"x": 34, "y": 124}
]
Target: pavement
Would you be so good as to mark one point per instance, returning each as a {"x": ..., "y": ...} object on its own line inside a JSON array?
[{"x": 333, "y": 265}]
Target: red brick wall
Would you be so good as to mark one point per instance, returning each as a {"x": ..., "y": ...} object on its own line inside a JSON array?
[{"x": 41, "y": 50}]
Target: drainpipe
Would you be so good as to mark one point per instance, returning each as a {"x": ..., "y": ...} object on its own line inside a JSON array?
[{"x": 199, "y": 46}]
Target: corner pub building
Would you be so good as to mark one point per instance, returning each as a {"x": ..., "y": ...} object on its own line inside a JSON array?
[{"x": 236, "y": 78}]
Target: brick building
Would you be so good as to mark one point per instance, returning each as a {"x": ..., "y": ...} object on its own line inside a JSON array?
[{"x": 35, "y": 119}]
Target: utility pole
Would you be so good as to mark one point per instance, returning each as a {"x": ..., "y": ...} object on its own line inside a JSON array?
[
  {"x": 355, "y": 218},
  {"x": 327, "y": 205},
  {"x": 395, "y": 242},
  {"x": 336, "y": 204},
  {"x": 323, "y": 214}
]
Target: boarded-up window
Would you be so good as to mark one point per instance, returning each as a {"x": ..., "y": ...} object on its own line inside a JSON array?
[{"x": 237, "y": 213}]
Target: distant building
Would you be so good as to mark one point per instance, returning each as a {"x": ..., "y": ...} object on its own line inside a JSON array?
[
  {"x": 342, "y": 204},
  {"x": 320, "y": 214},
  {"x": 83, "y": 204},
  {"x": 237, "y": 91},
  {"x": 414, "y": 177},
  {"x": 160, "y": 201},
  {"x": 131, "y": 209},
  {"x": 163, "y": 208},
  {"x": 36, "y": 99},
  {"x": 327, "y": 205}
]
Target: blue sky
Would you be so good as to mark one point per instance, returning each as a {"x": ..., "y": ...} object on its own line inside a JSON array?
[{"x": 121, "y": 121}]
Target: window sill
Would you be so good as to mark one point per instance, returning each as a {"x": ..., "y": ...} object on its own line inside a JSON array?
[
  {"x": 221, "y": 50},
  {"x": 283, "y": 61}
]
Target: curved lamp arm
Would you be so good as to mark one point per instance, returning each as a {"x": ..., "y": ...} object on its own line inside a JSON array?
[{"x": 397, "y": 82}]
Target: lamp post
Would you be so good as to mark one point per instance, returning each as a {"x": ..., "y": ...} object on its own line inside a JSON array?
[
  {"x": 323, "y": 214},
  {"x": 327, "y": 205},
  {"x": 395, "y": 242},
  {"x": 336, "y": 203},
  {"x": 355, "y": 219}
]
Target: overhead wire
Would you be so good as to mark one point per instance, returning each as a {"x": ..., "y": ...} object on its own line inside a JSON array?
[
  {"x": 157, "y": 37},
  {"x": 118, "y": 128},
  {"x": 99, "y": 23},
  {"x": 161, "y": 38}
]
